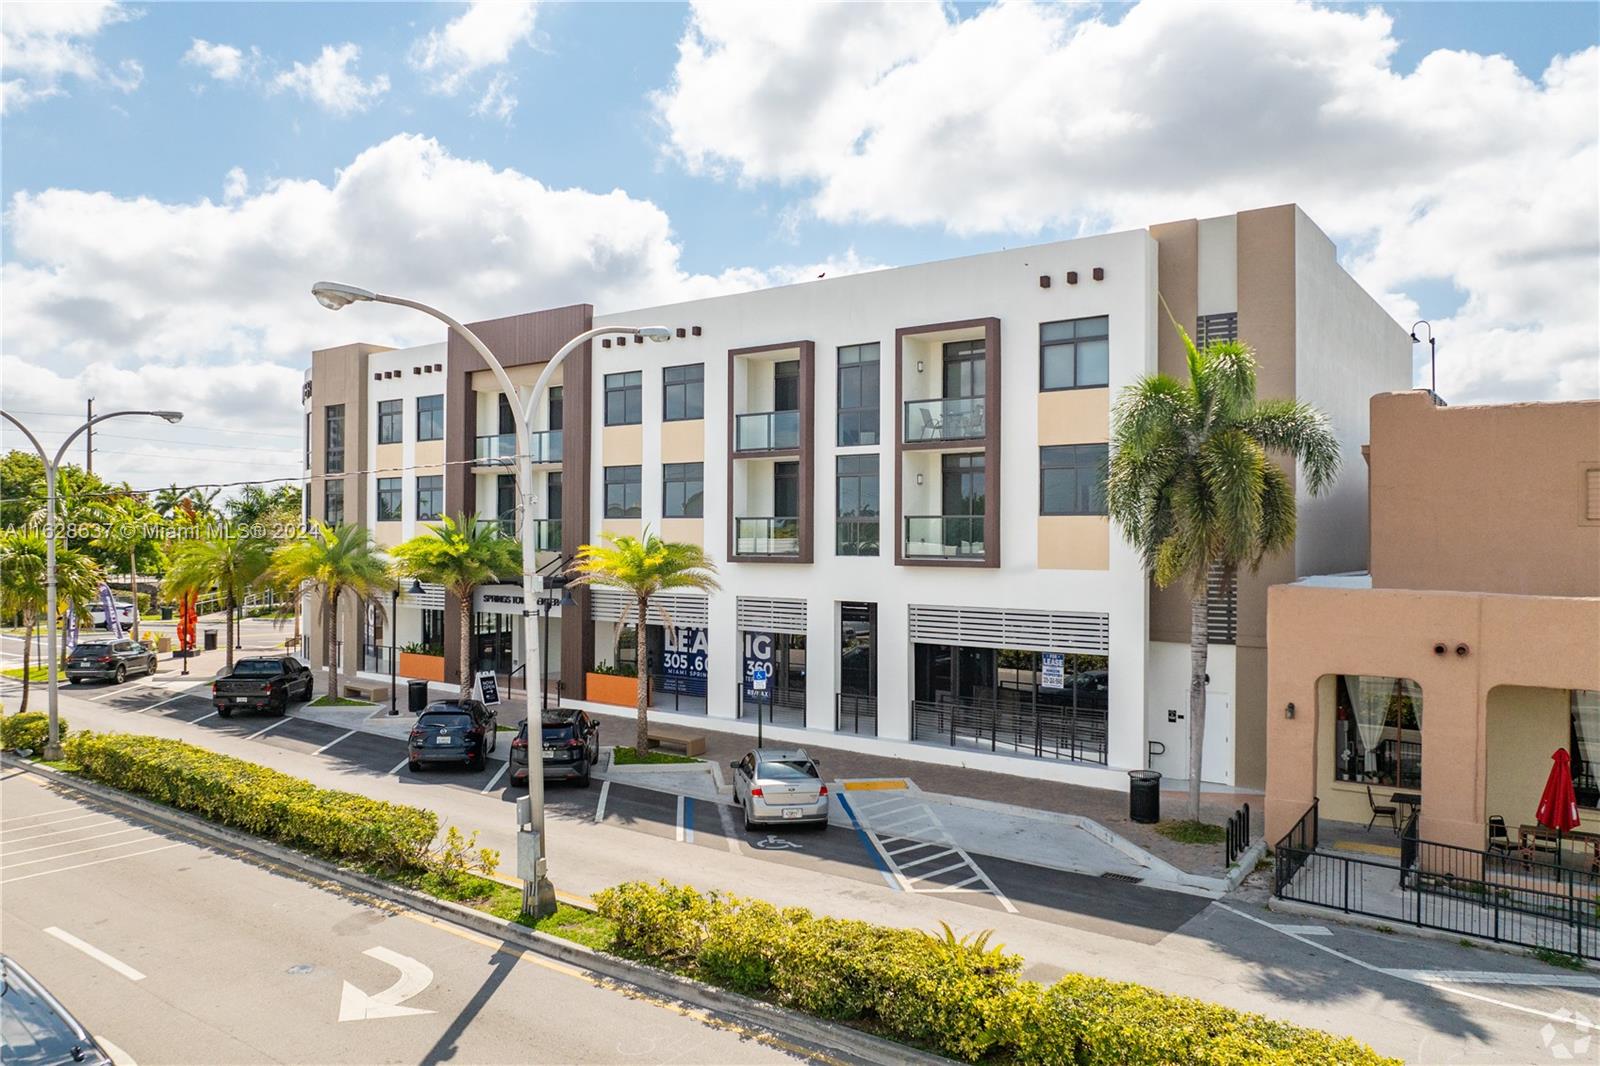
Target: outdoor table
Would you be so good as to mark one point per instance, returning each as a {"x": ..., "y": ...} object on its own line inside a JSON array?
[
  {"x": 1530, "y": 837},
  {"x": 1408, "y": 799}
]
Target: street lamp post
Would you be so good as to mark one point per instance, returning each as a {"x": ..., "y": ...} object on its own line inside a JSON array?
[
  {"x": 335, "y": 296},
  {"x": 52, "y": 747},
  {"x": 1433, "y": 354},
  {"x": 394, "y": 641}
]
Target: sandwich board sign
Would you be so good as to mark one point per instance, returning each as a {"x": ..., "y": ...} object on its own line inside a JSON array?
[{"x": 488, "y": 688}]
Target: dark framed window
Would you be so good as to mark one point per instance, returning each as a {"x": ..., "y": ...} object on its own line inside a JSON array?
[
  {"x": 1075, "y": 354},
  {"x": 623, "y": 491},
  {"x": 391, "y": 417},
  {"x": 856, "y": 495},
  {"x": 333, "y": 443},
  {"x": 430, "y": 497},
  {"x": 682, "y": 488},
  {"x": 557, "y": 399},
  {"x": 683, "y": 392},
  {"x": 1072, "y": 479},
  {"x": 786, "y": 490},
  {"x": 1377, "y": 731},
  {"x": 963, "y": 484},
  {"x": 786, "y": 385},
  {"x": 508, "y": 421},
  {"x": 1585, "y": 706},
  {"x": 625, "y": 398},
  {"x": 389, "y": 499},
  {"x": 308, "y": 440},
  {"x": 965, "y": 370},
  {"x": 505, "y": 503},
  {"x": 432, "y": 631},
  {"x": 430, "y": 417},
  {"x": 333, "y": 502},
  {"x": 858, "y": 394}
]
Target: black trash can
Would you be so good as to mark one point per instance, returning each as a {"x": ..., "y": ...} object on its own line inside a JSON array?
[
  {"x": 1144, "y": 796},
  {"x": 166, "y": 612},
  {"x": 417, "y": 696},
  {"x": 211, "y": 640}
]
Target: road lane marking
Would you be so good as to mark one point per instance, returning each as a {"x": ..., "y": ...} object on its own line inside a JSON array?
[
  {"x": 1491, "y": 977},
  {"x": 116, "y": 689},
  {"x": 948, "y": 869},
  {"x": 203, "y": 717},
  {"x": 678, "y": 831},
  {"x": 334, "y": 741},
  {"x": 13, "y": 838},
  {"x": 498, "y": 774},
  {"x": 725, "y": 816},
  {"x": 401, "y": 765},
  {"x": 93, "y": 836},
  {"x": 926, "y": 858},
  {"x": 600, "y": 811},
  {"x": 356, "y": 1005},
  {"x": 171, "y": 699},
  {"x": 95, "y": 953},
  {"x": 270, "y": 728},
  {"x": 97, "y": 862},
  {"x": 66, "y": 813},
  {"x": 118, "y": 1056},
  {"x": 875, "y": 849},
  {"x": 67, "y": 854}
]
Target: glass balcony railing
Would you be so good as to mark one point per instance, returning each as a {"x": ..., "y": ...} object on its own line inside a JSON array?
[
  {"x": 932, "y": 420},
  {"x": 766, "y": 536},
  {"x": 944, "y": 536},
  {"x": 546, "y": 531},
  {"x": 766, "y": 431},
  {"x": 500, "y": 449}
]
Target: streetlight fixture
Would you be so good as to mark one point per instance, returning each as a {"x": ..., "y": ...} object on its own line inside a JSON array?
[
  {"x": 52, "y": 747},
  {"x": 1433, "y": 353},
  {"x": 335, "y": 296}
]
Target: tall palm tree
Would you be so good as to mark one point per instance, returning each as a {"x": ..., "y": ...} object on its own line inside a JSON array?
[
  {"x": 1193, "y": 485},
  {"x": 127, "y": 531},
  {"x": 642, "y": 567},
  {"x": 332, "y": 560},
  {"x": 24, "y": 588},
  {"x": 226, "y": 564},
  {"x": 460, "y": 553}
]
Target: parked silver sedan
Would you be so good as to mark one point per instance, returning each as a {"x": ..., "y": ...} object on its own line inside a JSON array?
[{"x": 779, "y": 785}]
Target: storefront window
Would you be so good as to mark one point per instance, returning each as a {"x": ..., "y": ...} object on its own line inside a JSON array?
[
  {"x": 1377, "y": 731},
  {"x": 1049, "y": 704},
  {"x": 1586, "y": 746}
]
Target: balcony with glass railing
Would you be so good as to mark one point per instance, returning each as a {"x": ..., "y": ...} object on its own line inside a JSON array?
[
  {"x": 941, "y": 420},
  {"x": 500, "y": 449},
  {"x": 944, "y": 536},
  {"x": 546, "y": 531},
  {"x": 767, "y": 431},
  {"x": 766, "y": 536}
]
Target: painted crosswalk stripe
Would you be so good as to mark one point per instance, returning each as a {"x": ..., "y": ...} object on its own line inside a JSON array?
[{"x": 95, "y": 953}]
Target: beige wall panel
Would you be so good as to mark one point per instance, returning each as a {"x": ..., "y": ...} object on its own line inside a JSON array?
[
  {"x": 388, "y": 534},
  {"x": 428, "y": 453},
  {"x": 1523, "y": 727},
  {"x": 388, "y": 458},
  {"x": 683, "y": 442},
  {"x": 621, "y": 527},
  {"x": 1074, "y": 542},
  {"x": 684, "y": 530},
  {"x": 622, "y": 446},
  {"x": 1075, "y": 416}
]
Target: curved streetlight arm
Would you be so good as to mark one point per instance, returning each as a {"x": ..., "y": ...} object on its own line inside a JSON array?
[{"x": 9, "y": 417}]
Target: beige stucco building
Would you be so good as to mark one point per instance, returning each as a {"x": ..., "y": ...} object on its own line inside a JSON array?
[{"x": 1471, "y": 651}]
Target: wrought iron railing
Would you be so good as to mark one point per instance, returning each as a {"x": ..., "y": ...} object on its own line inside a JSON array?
[
  {"x": 675, "y": 692},
  {"x": 766, "y": 536},
  {"x": 766, "y": 431},
  {"x": 1237, "y": 833},
  {"x": 1047, "y": 732},
  {"x": 935, "y": 420},
  {"x": 944, "y": 536},
  {"x": 775, "y": 706},
  {"x": 855, "y": 714}
]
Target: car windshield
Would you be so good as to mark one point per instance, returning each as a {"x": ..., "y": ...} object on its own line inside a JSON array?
[
  {"x": 91, "y": 649},
  {"x": 787, "y": 770},
  {"x": 447, "y": 720},
  {"x": 256, "y": 667},
  {"x": 558, "y": 719}
]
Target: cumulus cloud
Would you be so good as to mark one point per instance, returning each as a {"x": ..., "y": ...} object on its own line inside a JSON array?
[
  {"x": 331, "y": 84},
  {"x": 223, "y": 62},
  {"x": 479, "y": 39},
  {"x": 43, "y": 45},
  {"x": 1023, "y": 119},
  {"x": 209, "y": 303}
]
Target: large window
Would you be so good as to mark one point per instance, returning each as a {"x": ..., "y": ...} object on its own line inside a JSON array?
[
  {"x": 786, "y": 386},
  {"x": 965, "y": 364},
  {"x": 858, "y": 394},
  {"x": 623, "y": 493},
  {"x": 682, "y": 485},
  {"x": 683, "y": 392},
  {"x": 333, "y": 501},
  {"x": 786, "y": 490},
  {"x": 430, "y": 497},
  {"x": 1072, "y": 479},
  {"x": 505, "y": 503},
  {"x": 857, "y": 499},
  {"x": 333, "y": 439},
  {"x": 391, "y": 419},
  {"x": 389, "y": 494},
  {"x": 430, "y": 417},
  {"x": 1377, "y": 731},
  {"x": 625, "y": 398},
  {"x": 1586, "y": 746},
  {"x": 432, "y": 641},
  {"x": 1075, "y": 354}
]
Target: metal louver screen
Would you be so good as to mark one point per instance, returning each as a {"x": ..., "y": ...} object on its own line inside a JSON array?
[
  {"x": 1219, "y": 327},
  {"x": 980, "y": 627},
  {"x": 687, "y": 610},
  {"x": 771, "y": 616},
  {"x": 1222, "y": 615},
  {"x": 431, "y": 598}
]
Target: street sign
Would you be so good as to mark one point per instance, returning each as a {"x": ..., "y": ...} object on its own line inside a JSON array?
[
  {"x": 1053, "y": 670},
  {"x": 758, "y": 676},
  {"x": 488, "y": 688}
]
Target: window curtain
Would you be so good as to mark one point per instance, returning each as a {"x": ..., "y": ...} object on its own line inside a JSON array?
[{"x": 1372, "y": 701}]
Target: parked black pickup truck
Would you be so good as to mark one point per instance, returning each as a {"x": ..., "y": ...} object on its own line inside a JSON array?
[{"x": 262, "y": 684}]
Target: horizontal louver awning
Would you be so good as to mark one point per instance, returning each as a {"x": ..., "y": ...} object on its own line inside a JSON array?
[
  {"x": 1222, "y": 615},
  {"x": 431, "y": 598},
  {"x": 993, "y": 627},
  {"x": 689, "y": 610},
  {"x": 758, "y": 615}
]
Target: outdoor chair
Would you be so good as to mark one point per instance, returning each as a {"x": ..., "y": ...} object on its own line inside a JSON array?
[
  {"x": 930, "y": 425},
  {"x": 1382, "y": 810},
  {"x": 1499, "y": 839}
]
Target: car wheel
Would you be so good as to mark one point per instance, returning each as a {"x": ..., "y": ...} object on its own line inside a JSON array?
[
  {"x": 414, "y": 766},
  {"x": 280, "y": 707},
  {"x": 749, "y": 826},
  {"x": 476, "y": 765},
  {"x": 583, "y": 781},
  {"x": 225, "y": 712},
  {"x": 122, "y": 673},
  {"x": 154, "y": 665}
]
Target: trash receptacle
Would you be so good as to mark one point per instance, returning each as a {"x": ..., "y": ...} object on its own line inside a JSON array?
[
  {"x": 211, "y": 640},
  {"x": 1144, "y": 796},
  {"x": 416, "y": 696},
  {"x": 166, "y": 612}
]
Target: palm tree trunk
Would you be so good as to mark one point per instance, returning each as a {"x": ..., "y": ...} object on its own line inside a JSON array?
[
  {"x": 1198, "y": 637},
  {"x": 27, "y": 648},
  {"x": 330, "y": 612},
  {"x": 464, "y": 647},
  {"x": 133, "y": 575},
  {"x": 641, "y": 736},
  {"x": 227, "y": 659}
]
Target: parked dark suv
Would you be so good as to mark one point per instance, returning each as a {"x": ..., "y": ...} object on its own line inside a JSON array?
[
  {"x": 571, "y": 747},
  {"x": 453, "y": 731},
  {"x": 109, "y": 660}
]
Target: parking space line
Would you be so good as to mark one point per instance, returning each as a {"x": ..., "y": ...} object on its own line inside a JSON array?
[
  {"x": 270, "y": 728},
  {"x": 67, "y": 854},
  {"x": 75, "y": 829},
  {"x": 203, "y": 717},
  {"x": 95, "y": 953},
  {"x": 874, "y": 848},
  {"x": 498, "y": 774},
  {"x": 334, "y": 741},
  {"x": 729, "y": 833},
  {"x": 96, "y": 862},
  {"x": 94, "y": 836},
  {"x": 116, "y": 689},
  {"x": 960, "y": 884},
  {"x": 687, "y": 821},
  {"x": 600, "y": 811},
  {"x": 69, "y": 814},
  {"x": 401, "y": 765},
  {"x": 171, "y": 699},
  {"x": 678, "y": 832}
]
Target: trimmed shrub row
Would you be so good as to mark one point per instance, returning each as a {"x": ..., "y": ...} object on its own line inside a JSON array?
[
  {"x": 959, "y": 997},
  {"x": 337, "y": 825},
  {"x": 29, "y": 729}
]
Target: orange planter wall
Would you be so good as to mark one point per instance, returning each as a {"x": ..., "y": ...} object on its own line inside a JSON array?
[
  {"x": 612, "y": 689},
  {"x": 422, "y": 667}
]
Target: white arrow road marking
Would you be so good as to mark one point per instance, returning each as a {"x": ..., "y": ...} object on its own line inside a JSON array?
[
  {"x": 355, "y": 1005},
  {"x": 95, "y": 953}
]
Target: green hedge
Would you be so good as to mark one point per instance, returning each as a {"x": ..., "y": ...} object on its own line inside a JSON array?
[
  {"x": 959, "y": 997},
  {"x": 28, "y": 730},
  {"x": 338, "y": 825}
]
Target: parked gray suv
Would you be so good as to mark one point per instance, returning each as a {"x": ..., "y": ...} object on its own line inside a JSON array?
[{"x": 109, "y": 660}]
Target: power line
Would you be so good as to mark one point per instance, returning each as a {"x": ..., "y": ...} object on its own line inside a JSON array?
[{"x": 208, "y": 429}]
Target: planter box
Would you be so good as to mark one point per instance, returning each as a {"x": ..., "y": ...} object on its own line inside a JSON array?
[
  {"x": 422, "y": 667},
  {"x": 613, "y": 689}
]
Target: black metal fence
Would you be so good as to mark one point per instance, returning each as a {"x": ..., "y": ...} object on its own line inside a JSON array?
[
  {"x": 1238, "y": 834},
  {"x": 855, "y": 714},
  {"x": 1003, "y": 725},
  {"x": 775, "y": 706},
  {"x": 674, "y": 692}
]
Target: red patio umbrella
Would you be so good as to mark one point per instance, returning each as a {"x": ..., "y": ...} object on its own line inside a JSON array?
[{"x": 1558, "y": 807}]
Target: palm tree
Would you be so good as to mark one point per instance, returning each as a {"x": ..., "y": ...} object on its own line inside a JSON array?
[
  {"x": 644, "y": 566},
  {"x": 125, "y": 531},
  {"x": 1194, "y": 487},
  {"x": 460, "y": 553},
  {"x": 226, "y": 564},
  {"x": 24, "y": 588},
  {"x": 332, "y": 560}
]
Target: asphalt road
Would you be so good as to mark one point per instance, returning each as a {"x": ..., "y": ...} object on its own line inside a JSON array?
[{"x": 176, "y": 952}]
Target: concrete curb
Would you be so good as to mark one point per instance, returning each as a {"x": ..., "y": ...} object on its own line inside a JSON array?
[
  {"x": 1246, "y": 865},
  {"x": 841, "y": 1041}
]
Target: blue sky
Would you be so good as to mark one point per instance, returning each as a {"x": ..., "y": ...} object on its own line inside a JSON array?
[{"x": 700, "y": 144}]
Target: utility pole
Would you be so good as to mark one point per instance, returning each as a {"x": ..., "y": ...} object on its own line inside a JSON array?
[{"x": 88, "y": 442}]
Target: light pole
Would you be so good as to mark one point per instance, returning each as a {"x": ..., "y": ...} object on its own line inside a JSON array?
[
  {"x": 52, "y": 747},
  {"x": 394, "y": 640},
  {"x": 1433, "y": 353},
  {"x": 335, "y": 296}
]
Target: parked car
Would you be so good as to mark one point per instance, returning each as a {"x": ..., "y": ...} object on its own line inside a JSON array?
[
  {"x": 125, "y": 614},
  {"x": 453, "y": 731},
  {"x": 571, "y": 746},
  {"x": 779, "y": 785},
  {"x": 36, "y": 1030},
  {"x": 262, "y": 683},
  {"x": 109, "y": 660}
]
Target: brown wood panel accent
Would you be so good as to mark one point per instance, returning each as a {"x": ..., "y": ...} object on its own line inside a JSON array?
[
  {"x": 805, "y": 452},
  {"x": 1178, "y": 282},
  {"x": 993, "y": 410}
]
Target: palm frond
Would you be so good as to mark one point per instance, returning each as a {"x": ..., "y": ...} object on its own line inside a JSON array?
[{"x": 1298, "y": 430}]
